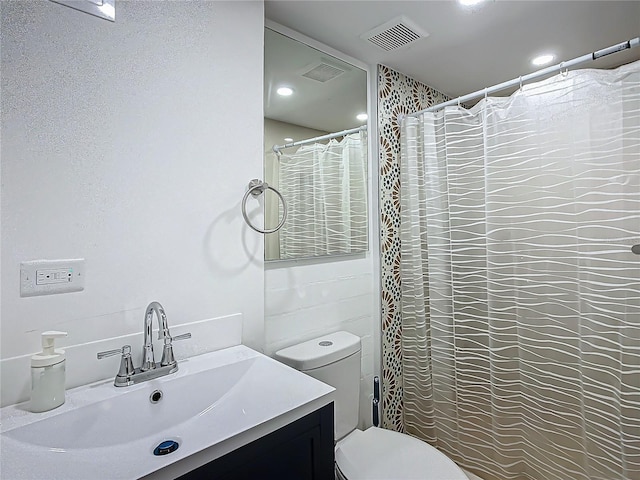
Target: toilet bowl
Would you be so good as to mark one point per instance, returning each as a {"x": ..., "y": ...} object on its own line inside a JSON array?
[
  {"x": 379, "y": 454},
  {"x": 375, "y": 453}
]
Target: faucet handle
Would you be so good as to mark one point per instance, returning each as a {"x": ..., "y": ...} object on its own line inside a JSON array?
[
  {"x": 126, "y": 364},
  {"x": 110, "y": 353},
  {"x": 167, "y": 351},
  {"x": 168, "y": 338},
  {"x": 184, "y": 336}
]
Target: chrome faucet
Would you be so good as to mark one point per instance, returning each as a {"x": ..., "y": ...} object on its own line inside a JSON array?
[
  {"x": 149, "y": 369},
  {"x": 148, "y": 359}
]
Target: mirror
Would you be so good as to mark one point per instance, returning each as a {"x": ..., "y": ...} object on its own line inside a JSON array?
[{"x": 323, "y": 180}]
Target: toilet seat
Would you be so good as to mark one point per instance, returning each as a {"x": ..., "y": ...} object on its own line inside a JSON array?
[{"x": 379, "y": 454}]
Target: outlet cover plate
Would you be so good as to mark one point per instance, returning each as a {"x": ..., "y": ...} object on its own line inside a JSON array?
[{"x": 48, "y": 277}]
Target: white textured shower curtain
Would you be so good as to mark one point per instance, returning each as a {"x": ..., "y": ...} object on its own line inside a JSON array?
[
  {"x": 520, "y": 293},
  {"x": 325, "y": 187}
]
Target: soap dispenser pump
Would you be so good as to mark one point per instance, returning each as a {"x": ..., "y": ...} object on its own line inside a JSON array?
[{"x": 48, "y": 374}]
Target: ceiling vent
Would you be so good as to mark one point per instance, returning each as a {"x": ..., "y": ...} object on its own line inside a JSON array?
[
  {"x": 394, "y": 34},
  {"x": 322, "y": 71}
]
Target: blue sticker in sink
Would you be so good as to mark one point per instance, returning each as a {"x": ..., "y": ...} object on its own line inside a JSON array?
[{"x": 166, "y": 447}]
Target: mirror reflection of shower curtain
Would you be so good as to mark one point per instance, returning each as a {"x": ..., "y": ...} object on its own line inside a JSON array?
[
  {"x": 325, "y": 190},
  {"x": 520, "y": 293}
]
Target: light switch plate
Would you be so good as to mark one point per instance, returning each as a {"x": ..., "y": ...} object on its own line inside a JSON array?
[{"x": 48, "y": 277}]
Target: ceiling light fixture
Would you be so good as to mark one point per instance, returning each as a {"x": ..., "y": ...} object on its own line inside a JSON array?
[
  {"x": 469, "y": 3},
  {"x": 284, "y": 91},
  {"x": 362, "y": 117},
  {"x": 543, "y": 59}
]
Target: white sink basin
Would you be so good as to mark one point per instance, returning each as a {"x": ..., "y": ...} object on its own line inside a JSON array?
[
  {"x": 110, "y": 421},
  {"x": 215, "y": 403}
]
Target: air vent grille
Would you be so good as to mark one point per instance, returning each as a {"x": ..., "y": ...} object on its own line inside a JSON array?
[
  {"x": 323, "y": 72},
  {"x": 396, "y": 37},
  {"x": 394, "y": 34}
]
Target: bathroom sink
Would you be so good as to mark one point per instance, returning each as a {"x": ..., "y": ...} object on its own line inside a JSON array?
[
  {"x": 214, "y": 403},
  {"x": 114, "y": 420}
]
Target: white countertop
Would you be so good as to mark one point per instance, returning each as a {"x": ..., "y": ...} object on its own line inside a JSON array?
[{"x": 215, "y": 403}]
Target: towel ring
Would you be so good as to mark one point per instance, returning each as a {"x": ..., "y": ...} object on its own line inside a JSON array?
[{"x": 256, "y": 188}]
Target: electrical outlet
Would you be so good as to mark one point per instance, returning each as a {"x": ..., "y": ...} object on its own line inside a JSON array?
[{"x": 48, "y": 277}]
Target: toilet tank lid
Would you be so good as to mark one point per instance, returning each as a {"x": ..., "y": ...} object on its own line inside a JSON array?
[{"x": 320, "y": 351}]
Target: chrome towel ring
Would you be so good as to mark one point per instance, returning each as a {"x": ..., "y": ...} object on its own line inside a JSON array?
[{"x": 256, "y": 188}]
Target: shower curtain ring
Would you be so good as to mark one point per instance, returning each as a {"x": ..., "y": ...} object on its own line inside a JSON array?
[{"x": 563, "y": 71}]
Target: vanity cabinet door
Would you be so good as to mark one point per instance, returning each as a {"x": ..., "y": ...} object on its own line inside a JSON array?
[{"x": 302, "y": 450}]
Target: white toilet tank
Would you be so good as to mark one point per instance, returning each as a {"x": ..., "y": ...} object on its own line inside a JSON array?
[{"x": 335, "y": 360}]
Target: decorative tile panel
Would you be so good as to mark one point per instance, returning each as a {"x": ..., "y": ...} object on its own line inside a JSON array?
[{"x": 397, "y": 94}]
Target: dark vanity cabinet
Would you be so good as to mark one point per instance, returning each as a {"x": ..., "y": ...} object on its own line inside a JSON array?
[{"x": 302, "y": 450}]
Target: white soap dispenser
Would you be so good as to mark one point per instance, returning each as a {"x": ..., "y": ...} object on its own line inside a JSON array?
[{"x": 48, "y": 374}]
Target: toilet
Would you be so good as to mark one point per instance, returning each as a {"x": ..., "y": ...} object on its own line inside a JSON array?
[{"x": 374, "y": 453}]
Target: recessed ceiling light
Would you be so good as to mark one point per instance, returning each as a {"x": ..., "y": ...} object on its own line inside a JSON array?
[
  {"x": 468, "y": 3},
  {"x": 543, "y": 59},
  {"x": 362, "y": 116},
  {"x": 288, "y": 139},
  {"x": 284, "y": 91}
]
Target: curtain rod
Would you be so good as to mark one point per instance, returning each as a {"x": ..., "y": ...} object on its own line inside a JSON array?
[
  {"x": 634, "y": 42},
  {"x": 277, "y": 148}
]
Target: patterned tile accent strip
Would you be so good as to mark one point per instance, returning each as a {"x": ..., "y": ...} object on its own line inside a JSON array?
[{"x": 397, "y": 94}]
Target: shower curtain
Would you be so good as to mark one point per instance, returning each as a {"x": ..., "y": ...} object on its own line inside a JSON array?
[
  {"x": 325, "y": 187},
  {"x": 520, "y": 292}
]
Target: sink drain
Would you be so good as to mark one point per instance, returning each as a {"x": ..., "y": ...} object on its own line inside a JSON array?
[
  {"x": 156, "y": 396},
  {"x": 166, "y": 447}
]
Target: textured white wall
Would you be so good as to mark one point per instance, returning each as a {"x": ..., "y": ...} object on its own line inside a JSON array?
[{"x": 130, "y": 144}]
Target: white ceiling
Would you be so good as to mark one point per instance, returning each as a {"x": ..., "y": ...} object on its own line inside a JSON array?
[{"x": 468, "y": 48}]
